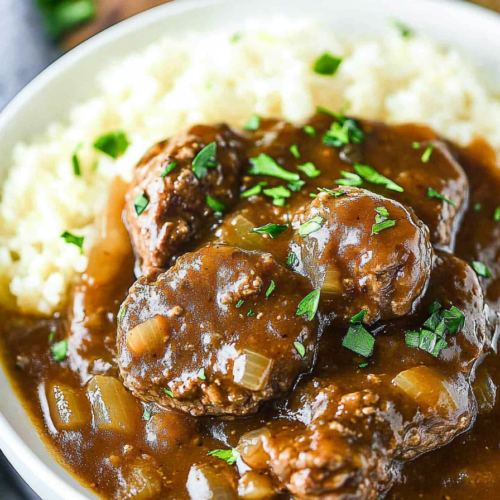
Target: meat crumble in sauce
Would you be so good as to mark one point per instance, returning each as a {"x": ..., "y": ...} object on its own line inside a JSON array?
[{"x": 316, "y": 319}]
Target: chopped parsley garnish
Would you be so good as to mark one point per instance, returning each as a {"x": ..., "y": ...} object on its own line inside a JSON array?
[
  {"x": 309, "y": 130},
  {"x": 204, "y": 160},
  {"x": 343, "y": 131},
  {"x": 278, "y": 194},
  {"x": 291, "y": 258},
  {"x": 168, "y": 168},
  {"x": 121, "y": 312},
  {"x": 296, "y": 185},
  {"x": 147, "y": 414},
  {"x": 250, "y": 313},
  {"x": 431, "y": 338},
  {"x": 140, "y": 203},
  {"x": 309, "y": 304},
  {"x": 113, "y": 144},
  {"x": 382, "y": 221},
  {"x": 369, "y": 174},
  {"x": 253, "y": 123},
  {"x": 335, "y": 193},
  {"x": 416, "y": 145},
  {"x": 358, "y": 318},
  {"x": 272, "y": 230},
  {"x": 77, "y": 169},
  {"x": 311, "y": 226},
  {"x": 229, "y": 456},
  {"x": 405, "y": 31},
  {"x": 350, "y": 179},
  {"x": 312, "y": 195},
  {"x": 363, "y": 365},
  {"x": 481, "y": 269},
  {"x": 201, "y": 374},
  {"x": 359, "y": 340},
  {"x": 300, "y": 348},
  {"x": 257, "y": 189},
  {"x": 73, "y": 239},
  {"x": 294, "y": 149},
  {"x": 478, "y": 206},
  {"x": 168, "y": 392},
  {"x": 327, "y": 64},
  {"x": 239, "y": 303},
  {"x": 215, "y": 205},
  {"x": 59, "y": 350},
  {"x": 496, "y": 215},
  {"x": 427, "y": 154},
  {"x": 432, "y": 193},
  {"x": 271, "y": 288},
  {"x": 52, "y": 336},
  {"x": 265, "y": 165},
  {"x": 309, "y": 169}
]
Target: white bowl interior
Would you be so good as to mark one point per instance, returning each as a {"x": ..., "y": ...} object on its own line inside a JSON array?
[{"x": 71, "y": 79}]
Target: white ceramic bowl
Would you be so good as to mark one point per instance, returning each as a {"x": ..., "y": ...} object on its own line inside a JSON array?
[{"x": 474, "y": 31}]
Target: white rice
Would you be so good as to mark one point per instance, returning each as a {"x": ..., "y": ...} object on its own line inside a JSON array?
[{"x": 209, "y": 78}]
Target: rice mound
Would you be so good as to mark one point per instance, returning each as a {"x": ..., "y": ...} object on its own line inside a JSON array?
[{"x": 178, "y": 82}]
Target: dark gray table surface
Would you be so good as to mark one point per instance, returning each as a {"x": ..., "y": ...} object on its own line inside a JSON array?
[{"x": 24, "y": 52}]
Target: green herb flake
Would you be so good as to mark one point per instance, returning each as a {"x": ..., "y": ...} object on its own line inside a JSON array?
[
  {"x": 327, "y": 64},
  {"x": 481, "y": 269},
  {"x": 300, "y": 348},
  {"x": 454, "y": 319},
  {"x": 271, "y": 288},
  {"x": 204, "y": 160},
  {"x": 363, "y": 365},
  {"x": 296, "y": 185},
  {"x": 496, "y": 215},
  {"x": 277, "y": 192},
  {"x": 52, "y": 336},
  {"x": 359, "y": 340},
  {"x": 215, "y": 205},
  {"x": 350, "y": 179},
  {"x": 294, "y": 149},
  {"x": 62, "y": 16},
  {"x": 432, "y": 193},
  {"x": 201, "y": 374},
  {"x": 416, "y": 145},
  {"x": 309, "y": 169},
  {"x": 113, "y": 144},
  {"x": 435, "y": 306},
  {"x": 140, "y": 203},
  {"x": 335, "y": 193},
  {"x": 239, "y": 303},
  {"x": 147, "y": 414},
  {"x": 252, "y": 124},
  {"x": 403, "y": 29},
  {"x": 236, "y": 37},
  {"x": 311, "y": 226},
  {"x": 254, "y": 190},
  {"x": 358, "y": 318},
  {"x": 382, "y": 221},
  {"x": 265, "y": 165},
  {"x": 59, "y": 350},
  {"x": 77, "y": 169},
  {"x": 369, "y": 174},
  {"x": 478, "y": 206},
  {"x": 272, "y": 230},
  {"x": 312, "y": 195},
  {"x": 309, "y": 130},
  {"x": 291, "y": 258},
  {"x": 343, "y": 131},
  {"x": 279, "y": 202},
  {"x": 412, "y": 339},
  {"x": 168, "y": 392},
  {"x": 73, "y": 239},
  {"x": 309, "y": 304},
  {"x": 426, "y": 156},
  {"x": 229, "y": 456},
  {"x": 121, "y": 312},
  {"x": 250, "y": 313},
  {"x": 168, "y": 168}
]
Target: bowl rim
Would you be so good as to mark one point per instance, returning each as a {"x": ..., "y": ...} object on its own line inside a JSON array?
[{"x": 16, "y": 450}]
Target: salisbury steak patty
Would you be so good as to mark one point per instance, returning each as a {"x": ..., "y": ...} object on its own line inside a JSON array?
[
  {"x": 216, "y": 334},
  {"x": 176, "y": 187}
]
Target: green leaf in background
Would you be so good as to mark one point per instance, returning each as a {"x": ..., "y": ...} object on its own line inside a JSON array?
[{"x": 61, "y": 16}]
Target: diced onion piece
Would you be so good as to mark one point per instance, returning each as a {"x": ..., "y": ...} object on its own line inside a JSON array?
[
  {"x": 238, "y": 232},
  {"x": 251, "y": 370},
  {"x": 485, "y": 390},
  {"x": 148, "y": 336},
  {"x": 114, "y": 408},
  {"x": 69, "y": 409},
  {"x": 251, "y": 448},
  {"x": 171, "y": 430},
  {"x": 142, "y": 481},
  {"x": 427, "y": 388},
  {"x": 112, "y": 242},
  {"x": 206, "y": 483},
  {"x": 332, "y": 284},
  {"x": 255, "y": 486}
]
